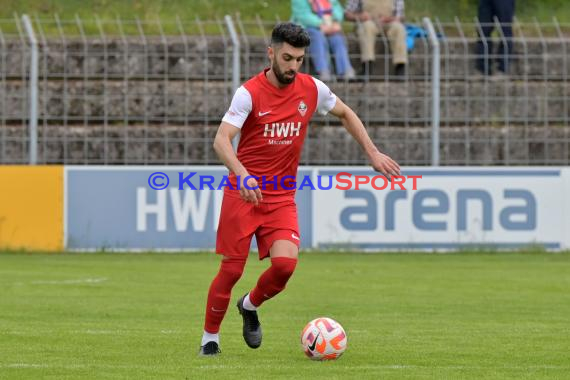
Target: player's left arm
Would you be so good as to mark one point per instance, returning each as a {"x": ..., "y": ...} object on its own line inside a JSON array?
[{"x": 380, "y": 162}]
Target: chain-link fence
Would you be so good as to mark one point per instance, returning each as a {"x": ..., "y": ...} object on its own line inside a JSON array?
[{"x": 134, "y": 92}]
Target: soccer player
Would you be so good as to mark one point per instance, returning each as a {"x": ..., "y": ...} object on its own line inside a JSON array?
[{"x": 272, "y": 111}]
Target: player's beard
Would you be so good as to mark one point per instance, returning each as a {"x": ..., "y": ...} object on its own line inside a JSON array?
[{"x": 281, "y": 76}]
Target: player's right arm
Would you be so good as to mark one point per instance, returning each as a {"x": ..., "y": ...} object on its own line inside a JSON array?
[
  {"x": 224, "y": 149},
  {"x": 229, "y": 128}
]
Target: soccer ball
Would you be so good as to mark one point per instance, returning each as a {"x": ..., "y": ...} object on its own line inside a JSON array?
[{"x": 323, "y": 339}]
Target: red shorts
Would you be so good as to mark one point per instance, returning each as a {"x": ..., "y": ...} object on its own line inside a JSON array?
[{"x": 240, "y": 220}]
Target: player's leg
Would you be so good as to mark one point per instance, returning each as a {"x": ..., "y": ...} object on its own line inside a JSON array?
[
  {"x": 284, "y": 255},
  {"x": 219, "y": 294},
  {"x": 277, "y": 238},
  {"x": 235, "y": 230}
]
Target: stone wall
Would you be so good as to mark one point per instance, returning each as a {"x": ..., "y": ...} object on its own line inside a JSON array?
[
  {"x": 137, "y": 144},
  {"x": 179, "y": 102},
  {"x": 125, "y": 102},
  {"x": 175, "y": 60}
]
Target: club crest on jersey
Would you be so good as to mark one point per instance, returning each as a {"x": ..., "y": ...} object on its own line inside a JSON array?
[{"x": 302, "y": 108}]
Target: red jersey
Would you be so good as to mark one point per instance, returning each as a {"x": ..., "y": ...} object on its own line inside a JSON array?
[{"x": 274, "y": 123}]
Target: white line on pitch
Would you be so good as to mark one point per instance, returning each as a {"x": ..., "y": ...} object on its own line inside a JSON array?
[{"x": 72, "y": 282}]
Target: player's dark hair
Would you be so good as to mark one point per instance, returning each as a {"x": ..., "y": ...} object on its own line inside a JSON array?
[{"x": 291, "y": 33}]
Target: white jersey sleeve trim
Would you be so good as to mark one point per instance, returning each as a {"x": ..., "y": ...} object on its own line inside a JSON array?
[
  {"x": 326, "y": 99},
  {"x": 239, "y": 109}
]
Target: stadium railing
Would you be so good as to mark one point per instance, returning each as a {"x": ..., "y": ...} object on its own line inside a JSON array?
[{"x": 125, "y": 92}]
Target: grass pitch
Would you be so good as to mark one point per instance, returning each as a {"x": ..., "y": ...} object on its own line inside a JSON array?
[{"x": 407, "y": 316}]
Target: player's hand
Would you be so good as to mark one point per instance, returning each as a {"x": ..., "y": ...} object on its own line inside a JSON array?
[
  {"x": 384, "y": 164},
  {"x": 254, "y": 196}
]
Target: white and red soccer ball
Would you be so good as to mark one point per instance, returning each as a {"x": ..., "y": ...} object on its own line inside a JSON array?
[{"x": 323, "y": 339}]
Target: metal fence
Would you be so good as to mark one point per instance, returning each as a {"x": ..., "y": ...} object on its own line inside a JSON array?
[{"x": 134, "y": 92}]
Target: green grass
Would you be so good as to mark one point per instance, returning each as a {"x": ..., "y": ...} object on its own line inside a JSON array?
[
  {"x": 407, "y": 316},
  {"x": 187, "y": 10}
]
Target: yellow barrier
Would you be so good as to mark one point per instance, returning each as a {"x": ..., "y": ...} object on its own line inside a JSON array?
[{"x": 31, "y": 207}]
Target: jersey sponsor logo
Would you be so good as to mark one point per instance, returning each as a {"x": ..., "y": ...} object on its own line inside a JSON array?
[
  {"x": 260, "y": 114},
  {"x": 288, "y": 129},
  {"x": 295, "y": 237},
  {"x": 302, "y": 108}
]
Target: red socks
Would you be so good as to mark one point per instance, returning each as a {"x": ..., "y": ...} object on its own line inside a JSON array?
[
  {"x": 273, "y": 280},
  {"x": 220, "y": 292}
]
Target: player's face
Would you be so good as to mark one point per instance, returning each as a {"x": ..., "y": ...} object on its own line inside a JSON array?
[{"x": 286, "y": 61}]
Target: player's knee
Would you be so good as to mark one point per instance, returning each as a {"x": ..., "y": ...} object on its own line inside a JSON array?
[
  {"x": 284, "y": 248},
  {"x": 232, "y": 269},
  {"x": 283, "y": 267}
]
